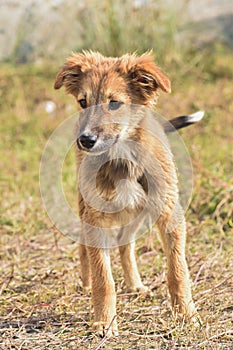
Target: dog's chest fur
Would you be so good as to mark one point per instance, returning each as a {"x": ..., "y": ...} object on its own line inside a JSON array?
[{"x": 121, "y": 181}]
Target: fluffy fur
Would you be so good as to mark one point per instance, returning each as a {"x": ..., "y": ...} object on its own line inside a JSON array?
[{"x": 130, "y": 178}]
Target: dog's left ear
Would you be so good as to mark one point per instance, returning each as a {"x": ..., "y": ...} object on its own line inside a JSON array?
[
  {"x": 143, "y": 75},
  {"x": 59, "y": 81},
  {"x": 72, "y": 72},
  {"x": 69, "y": 76}
]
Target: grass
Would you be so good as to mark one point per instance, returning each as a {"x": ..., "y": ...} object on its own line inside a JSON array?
[
  {"x": 41, "y": 304},
  {"x": 110, "y": 27}
]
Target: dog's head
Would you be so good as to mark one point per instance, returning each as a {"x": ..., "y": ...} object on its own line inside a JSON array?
[{"x": 103, "y": 87}]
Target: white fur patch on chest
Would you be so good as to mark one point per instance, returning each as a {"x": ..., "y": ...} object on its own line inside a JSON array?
[{"x": 129, "y": 193}]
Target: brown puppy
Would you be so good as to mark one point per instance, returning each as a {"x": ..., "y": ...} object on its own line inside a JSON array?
[{"x": 134, "y": 175}]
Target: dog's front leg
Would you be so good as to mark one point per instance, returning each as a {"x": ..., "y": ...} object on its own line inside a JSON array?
[
  {"x": 103, "y": 291},
  {"x": 173, "y": 235}
]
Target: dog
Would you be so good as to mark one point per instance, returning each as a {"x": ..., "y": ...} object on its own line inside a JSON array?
[{"x": 134, "y": 174}]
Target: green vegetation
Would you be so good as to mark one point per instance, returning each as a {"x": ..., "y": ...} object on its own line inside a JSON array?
[
  {"x": 42, "y": 305},
  {"x": 114, "y": 31},
  {"x": 111, "y": 27}
]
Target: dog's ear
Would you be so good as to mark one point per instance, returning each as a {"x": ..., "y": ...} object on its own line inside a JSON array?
[
  {"x": 144, "y": 76},
  {"x": 71, "y": 73},
  {"x": 64, "y": 74}
]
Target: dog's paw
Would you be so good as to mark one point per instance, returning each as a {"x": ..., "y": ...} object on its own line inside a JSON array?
[
  {"x": 106, "y": 329},
  {"x": 196, "y": 320},
  {"x": 86, "y": 289},
  {"x": 189, "y": 315},
  {"x": 138, "y": 289}
]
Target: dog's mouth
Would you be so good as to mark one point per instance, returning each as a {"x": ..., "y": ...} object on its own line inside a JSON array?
[{"x": 94, "y": 145}]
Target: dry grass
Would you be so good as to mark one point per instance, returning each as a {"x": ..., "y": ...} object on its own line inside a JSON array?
[{"x": 42, "y": 305}]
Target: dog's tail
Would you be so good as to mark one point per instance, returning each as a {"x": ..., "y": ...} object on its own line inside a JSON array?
[{"x": 182, "y": 121}]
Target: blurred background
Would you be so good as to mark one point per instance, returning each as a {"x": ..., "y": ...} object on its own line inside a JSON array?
[
  {"x": 41, "y": 301},
  {"x": 48, "y": 30}
]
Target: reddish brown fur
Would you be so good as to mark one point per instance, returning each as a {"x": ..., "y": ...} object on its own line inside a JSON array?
[{"x": 130, "y": 80}]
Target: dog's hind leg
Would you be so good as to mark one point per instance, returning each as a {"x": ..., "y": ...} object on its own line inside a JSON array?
[
  {"x": 131, "y": 275},
  {"x": 132, "y": 278},
  {"x": 85, "y": 268}
]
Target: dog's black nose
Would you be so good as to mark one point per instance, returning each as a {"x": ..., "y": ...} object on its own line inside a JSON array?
[{"x": 87, "y": 141}]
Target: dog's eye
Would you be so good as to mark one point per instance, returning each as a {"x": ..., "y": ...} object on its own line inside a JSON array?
[
  {"x": 83, "y": 103},
  {"x": 113, "y": 105}
]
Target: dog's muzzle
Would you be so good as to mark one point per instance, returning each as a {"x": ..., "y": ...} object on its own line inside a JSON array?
[{"x": 86, "y": 141}]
